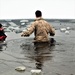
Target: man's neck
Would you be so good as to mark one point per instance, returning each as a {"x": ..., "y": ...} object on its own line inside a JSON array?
[{"x": 39, "y": 18}]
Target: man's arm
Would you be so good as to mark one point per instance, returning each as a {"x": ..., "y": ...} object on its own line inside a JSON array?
[
  {"x": 51, "y": 30},
  {"x": 29, "y": 30}
]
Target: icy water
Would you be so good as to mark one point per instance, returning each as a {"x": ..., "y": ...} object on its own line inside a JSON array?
[{"x": 54, "y": 58}]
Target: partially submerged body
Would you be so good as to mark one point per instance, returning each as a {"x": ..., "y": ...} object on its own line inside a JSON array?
[{"x": 41, "y": 29}]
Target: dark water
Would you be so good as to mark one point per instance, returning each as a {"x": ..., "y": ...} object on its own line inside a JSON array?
[
  {"x": 57, "y": 58},
  {"x": 54, "y": 58}
]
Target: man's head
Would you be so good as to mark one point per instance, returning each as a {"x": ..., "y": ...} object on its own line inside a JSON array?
[{"x": 38, "y": 13}]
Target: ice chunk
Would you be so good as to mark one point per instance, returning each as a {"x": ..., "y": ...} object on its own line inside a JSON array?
[
  {"x": 66, "y": 32},
  {"x": 36, "y": 72},
  {"x": 68, "y": 28},
  {"x": 62, "y": 29},
  {"x": 20, "y": 68},
  {"x": 23, "y": 20}
]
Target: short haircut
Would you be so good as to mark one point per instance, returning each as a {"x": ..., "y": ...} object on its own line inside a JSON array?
[{"x": 38, "y": 13}]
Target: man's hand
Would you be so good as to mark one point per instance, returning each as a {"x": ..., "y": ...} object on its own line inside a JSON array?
[
  {"x": 52, "y": 34},
  {"x": 24, "y": 34}
]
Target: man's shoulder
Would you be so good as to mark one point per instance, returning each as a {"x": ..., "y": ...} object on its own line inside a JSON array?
[
  {"x": 41, "y": 20},
  {"x": 47, "y": 23}
]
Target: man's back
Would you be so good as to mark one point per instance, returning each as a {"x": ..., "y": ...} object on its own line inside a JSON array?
[{"x": 41, "y": 28}]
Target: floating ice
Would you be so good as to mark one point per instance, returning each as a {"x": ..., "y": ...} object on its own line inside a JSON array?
[
  {"x": 20, "y": 68},
  {"x": 68, "y": 28},
  {"x": 36, "y": 72},
  {"x": 4, "y": 24},
  {"x": 24, "y": 30},
  {"x": 12, "y": 24},
  {"x": 62, "y": 29},
  {"x": 23, "y": 20},
  {"x": 13, "y": 27},
  {"x": 17, "y": 31},
  {"x": 22, "y": 23},
  {"x": 66, "y": 32},
  {"x": 7, "y": 30}
]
